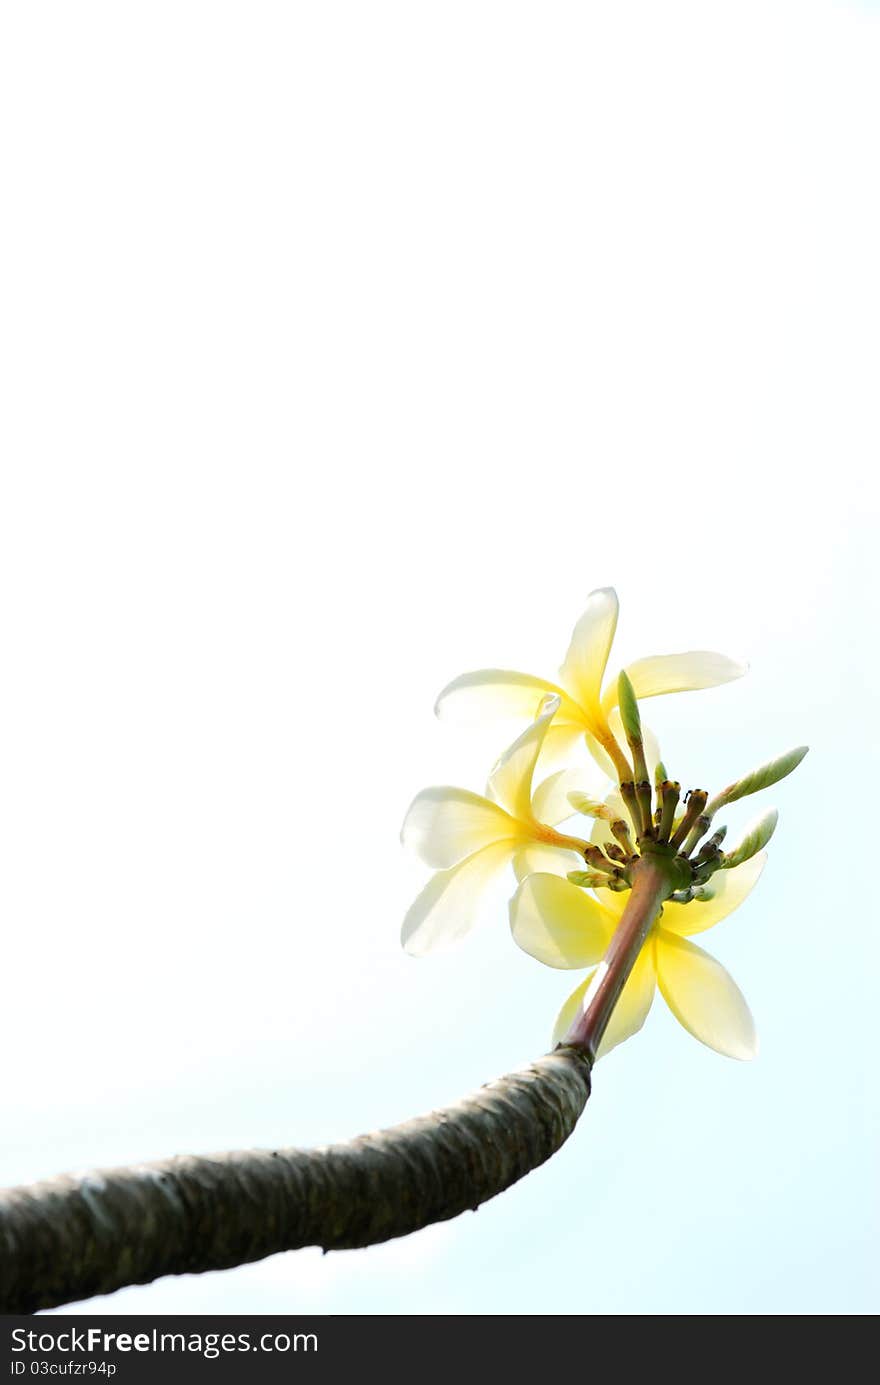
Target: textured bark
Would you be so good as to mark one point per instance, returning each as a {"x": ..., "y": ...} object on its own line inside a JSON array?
[{"x": 72, "y": 1237}]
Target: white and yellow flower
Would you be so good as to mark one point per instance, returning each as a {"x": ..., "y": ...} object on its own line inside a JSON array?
[
  {"x": 469, "y": 839},
  {"x": 584, "y": 709},
  {"x": 564, "y": 926}
]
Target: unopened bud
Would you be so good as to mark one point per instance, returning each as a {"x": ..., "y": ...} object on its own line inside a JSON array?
[
  {"x": 588, "y": 879},
  {"x": 644, "y": 799},
  {"x": 590, "y": 807},
  {"x": 628, "y": 794},
  {"x": 699, "y": 829},
  {"x": 621, "y": 832},
  {"x": 629, "y": 708},
  {"x": 696, "y": 802},
  {"x": 595, "y": 858},
  {"x": 755, "y": 837},
  {"x": 710, "y": 848},
  {"x": 668, "y": 794},
  {"x": 760, "y": 778},
  {"x": 632, "y": 724}
]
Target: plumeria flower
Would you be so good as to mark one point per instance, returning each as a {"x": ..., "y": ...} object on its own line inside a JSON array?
[
  {"x": 570, "y": 923},
  {"x": 469, "y": 839},
  {"x": 584, "y": 709},
  {"x": 654, "y": 876},
  {"x": 565, "y": 926}
]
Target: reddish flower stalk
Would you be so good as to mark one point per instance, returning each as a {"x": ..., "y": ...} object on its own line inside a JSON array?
[{"x": 652, "y": 883}]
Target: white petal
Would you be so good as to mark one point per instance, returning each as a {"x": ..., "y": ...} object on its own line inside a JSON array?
[
  {"x": 550, "y": 802},
  {"x": 449, "y": 905},
  {"x": 539, "y": 856},
  {"x": 730, "y": 888},
  {"x": 510, "y": 782},
  {"x": 584, "y": 666},
  {"x": 497, "y": 692},
  {"x": 669, "y": 673},
  {"x": 558, "y": 923},
  {"x": 704, "y": 997},
  {"x": 444, "y": 824}
]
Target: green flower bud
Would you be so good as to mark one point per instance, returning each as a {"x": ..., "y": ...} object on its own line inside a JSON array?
[
  {"x": 588, "y": 879},
  {"x": 760, "y": 778},
  {"x": 755, "y": 837},
  {"x": 629, "y": 710}
]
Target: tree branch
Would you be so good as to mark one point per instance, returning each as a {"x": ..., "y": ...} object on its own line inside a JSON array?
[{"x": 72, "y": 1237}]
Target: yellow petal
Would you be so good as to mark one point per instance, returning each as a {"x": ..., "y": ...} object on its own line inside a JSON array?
[
  {"x": 669, "y": 673},
  {"x": 449, "y": 905},
  {"x": 498, "y": 692},
  {"x": 629, "y": 1013},
  {"x": 563, "y": 740},
  {"x": 550, "y": 802},
  {"x": 571, "y": 1009},
  {"x": 704, "y": 997},
  {"x": 601, "y": 756},
  {"x": 584, "y": 666},
  {"x": 539, "y": 856},
  {"x": 631, "y": 1010},
  {"x": 510, "y": 782},
  {"x": 444, "y": 824},
  {"x": 558, "y": 923},
  {"x": 613, "y": 902},
  {"x": 730, "y": 887}
]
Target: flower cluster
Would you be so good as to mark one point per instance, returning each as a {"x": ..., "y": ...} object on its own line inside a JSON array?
[{"x": 572, "y": 891}]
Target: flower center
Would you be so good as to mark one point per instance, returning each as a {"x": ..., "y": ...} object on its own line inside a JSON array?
[{"x": 661, "y": 826}]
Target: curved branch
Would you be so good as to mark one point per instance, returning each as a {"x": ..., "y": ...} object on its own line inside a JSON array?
[{"x": 72, "y": 1237}]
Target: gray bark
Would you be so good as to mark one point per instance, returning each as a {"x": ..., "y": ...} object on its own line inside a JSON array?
[{"x": 72, "y": 1237}]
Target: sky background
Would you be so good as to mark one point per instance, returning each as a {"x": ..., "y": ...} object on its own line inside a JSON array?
[{"x": 348, "y": 347}]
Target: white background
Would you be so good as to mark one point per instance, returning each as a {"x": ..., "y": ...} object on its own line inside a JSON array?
[{"x": 346, "y": 347}]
